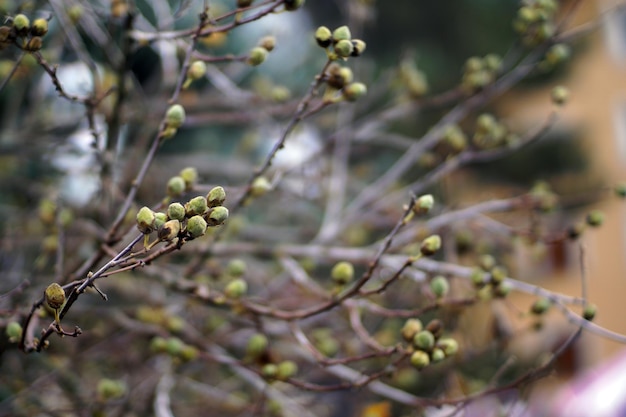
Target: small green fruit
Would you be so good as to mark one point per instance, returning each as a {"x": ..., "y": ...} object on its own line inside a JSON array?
[
  {"x": 424, "y": 340},
  {"x": 589, "y": 312},
  {"x": 175, "y": 116},
  {"x": 145, "y": 220},
  {"x": 269, "y": 371},
  {"x": 158, "y": 344},
  {"x": 256, "y": 56},
  {"x": 354, "y": 91},
  {"x": 40, "y": 27},
  {"x": 540, "y": 306},
  {"x": 439, "y": 286},
  {"x": 560, "y": 95},
  {"x": 174, "y": 346},
  {"x": 14, "y": 331},
  {"x": 109, "y": 389},
  {"x": 344, "y": 48},
  {"x": 449, "y": 346},
  {"x": 175, "y": 186},
  {"x": 424, "y": 204},
  {"x": 217, "y": 216},
  {"x": 430, "y": 245},
  {"x": 257, "y": 345},
  {"x": 260, "y": 186},
  {"x": 196, "y": 206},
  {"x": 268, "y": 43},
  {"x": 342, "y": 33},
  {"x": 286, "y": 369},
  {"x": 498, "y": 274},
  {"x": 216, "y": 196},
  {"x": 196, "y": 226},
  {"x": 236, "y": 268},
  {"x": 595, "y": 218},
  {"x": 420, "y": 359},
  {"x": 437, "y": 355},
  {"x": 342, "y": 273},
  {"x": 176, "y": 211},
  {"x": 21, "y": 23},
  {"x": 323, "y": 36},
  {"x": 411, "y": 328},
  {"x": 236, "y": 288}
]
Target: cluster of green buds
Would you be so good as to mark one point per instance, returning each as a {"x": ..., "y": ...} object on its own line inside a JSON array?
[
  {"x": 535, "y": 21},
  {"x": 174, "y": 347},
  {"x": 544, "y": 199},
  {"x": 174, "y": 119},
  {"x": 413, "y": 80},
  {"x": 281, "y": 371},
  {"x": 339, "y": 43},
  {"x": 453, "y": 140},
  {"x": 188, "y": 221},
  {"x": 556, "y": 54},
  {"x": 24, "y": 34},
  {"x": 181, "y": 183},
  {"x": 258, "y": 54},
  {"x": 479, "y": 72},
  {"x": 490, "y": 278},
  {"x": 490, "y": 133},
  {"x": 340, "y": 85},
  {"x": 426, "y": 344}
]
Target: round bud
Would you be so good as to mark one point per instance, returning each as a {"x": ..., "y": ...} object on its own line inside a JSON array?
[
  {"x": 145, "y": 220},
  {"x": 14, "y": 331},
  {"x": 439, "y": 286},
  {"x": 485, "y": 123},
  {"x": 498, "y": 274},
  {"x": 158, "y": 344},
  {"x": 424, "y": 340},
  {"x": 170, "y": 230},
  {"x": 502, "y": 290},
  {"x": 196, "y": 70},
  {"x": 269, "y": 370},
  {"x": 190, "y": 176},
  {"x": 196, "y": 206},
  {"x": 358, "y": 47},
  {"x": 268, "y": 43},
  {"x": 109, "y": 389},
  {"x": 174, "y": 346},
  {"x": 354, "y": 91},
  {"x": 175, "y": 186},
  {"x": 40, "y": 27},
  {"x": 540, "y": 306},
  {"x": 437, "y": 355},
  {"x": 344, "y": 48},
  {"x": 286, "y": 369},
  {"x": 21, "y": 23},
  {"x": 323, "y": 36},
  {"x": 493, "y": 62},
  {"x": 477, "y": 277},
  {"x": 236, "y": 267},
  {"x": 196, "y": 226},
  {"x": 54, "y": 296},
  {"x": 473, "y": 64},
  {"x": 236, "y": 288},
  {"x": 342, "y": 273},
  {"x": 159, "y": 220},
  {"x": 449, "y": 346},
  {"x": 291, "y": 5},
  {"x": 558, "y": 53},
  {"x": 595, "y": 218},
  {"x": 188, "y": 353},
  {"x": 411, "y": 328},
  {"x": 424, "y": 204},
  {"x": 257, "y": 345},
  {"x": 256, "y": 56},
  {"x": 216, "y": 196},
  {"x": 175, "y": 116},
  {"x": 75, "y": 13},
  {"x": 34, "y": 44},
  {"x": 589, "y": 312},
  {"x": 420, "y": 359},
  {"x": 430, "y": 245},
  {"x": 176, "y": 211},
  {"x": 487, "y": 262},
  {"x": 342, "y": 33},
  {"x": 559, "y": 95},
  {"x": 260, "y": 186},
  {"x": 217, "y": 216}
]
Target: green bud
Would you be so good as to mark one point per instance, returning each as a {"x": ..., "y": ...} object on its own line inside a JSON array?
[
  {"x": 188, "y": 353},
  {"x": 109, "y": 389},
  {"x": 236, "y": 288},
  {"x": 502, "y": 290},
  {"x": 558, "y": 53},
  {"x": 420, "y": 359},
  {"x": 342, "y": 33},
  {"x": 473, "y": 64},
  {"x": 190, "y": 176},
  {"x": 430, "y": 245},
  {"x": 342, "y": 273},
  {"x": 256, "y": 56},
  {"x": 291, "y": 5},
  {"x": 145, "y": 220},
  {"x": 40, "y": 27},
  {"x": 174, "y": 324},
  {"x": 257, "y": 345},
  {"x": 260, "y": 186},
  {"x": 175, "y": 186},
  {"x": 269, "y": 371},
  {"x": 477, "y": 277},
  {"x": 268, "y": 43},
  {"x": 354, "y": 91},
  {"x": 454, "y": 138},
  {"x": 487, "y": 262},
  {"x": 449, "y": 346},
  {"x": 196, "y": 206},
  {"x": 485, "y": 123},
  {"x": 176, "y": 211},
  {"x": 358, "y": 47},
  {"x": 14, "y": 331},
  {"x": 158, "y": 344},
  {"x": 559, "y": 95},
  {"x": 493, "y": 62},
  {"x": 217, "y": 216},
  {"x": 75, "y": 12},
  {"x": 175, "y": 116},
  {"x": 174, "y": 346},
  {"x": 437, "y": 355},
  {"x": 424, "y": 340},
  {"x": 216, "y": 196},
  {"x": 21, "y": 23},
  {"x": 170, "y": 230},
  {"x": 424, "y": 204},
  {"x": 498, "y": 274},
  {"x": 323, "y": 36},
  {"x": 286, "y": 369},
  {"x": 411, "y": 328},
  {"x": 540, "y": 306},
  {"x": 589, "y": 312},
  {"x": 196, "y": 226},
  {"x": 620, "y": 190},
  {"x": 344, "y": 48},
  {"x": 236, "y": 268},
  {"x": 595, "y": 218},
  {"x": 439, "y": 286}
]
